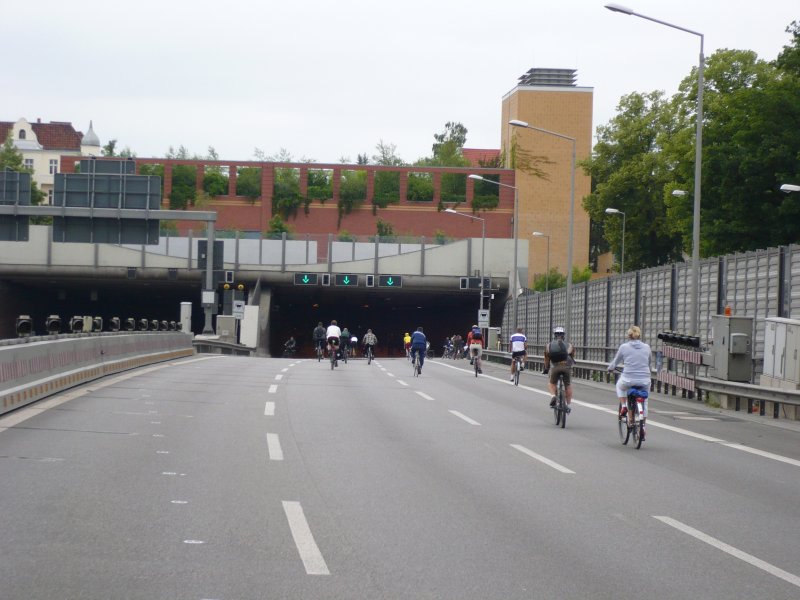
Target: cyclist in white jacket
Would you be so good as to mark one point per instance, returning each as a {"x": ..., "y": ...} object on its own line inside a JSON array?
[{"x": 634, "y": 355}]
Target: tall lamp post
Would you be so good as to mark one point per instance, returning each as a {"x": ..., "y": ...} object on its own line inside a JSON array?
[
  {"x": 483, "y": 242},
  {"x": 698, "y": 155},
  {"x": 515, "y": 279},
  {"x": 517, "y": 123},
  {"x": 547, "y": 278},
  {"x": 614, "y": 211}
]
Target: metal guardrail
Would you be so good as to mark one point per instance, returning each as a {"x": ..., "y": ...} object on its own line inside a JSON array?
[{"x": 757, "y": 399}]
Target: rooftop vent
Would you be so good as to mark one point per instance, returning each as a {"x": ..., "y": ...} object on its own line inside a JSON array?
[{"x": 553, "y": 77}]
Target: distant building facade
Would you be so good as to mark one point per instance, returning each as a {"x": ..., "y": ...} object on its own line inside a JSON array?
[
  {"x": 43, "y": 144},
  {"x": 549, "y": 99}
]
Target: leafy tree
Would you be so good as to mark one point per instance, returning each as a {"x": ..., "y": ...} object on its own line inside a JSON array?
[
  {"x": 11, "y": 158},
  {"x": 352, "y": 191},
  {"x": 630, "y": 173},
  {"x": 277, "y": 226},
  {"x": 450, "y": 141},
  {"x": 549, "y": 281},
  {"x": 110, "y": 148},
  {"x": 215, "y": 183},
  {"x": 384, "y": 229},
  {"x": 183, "y": 191},
  {"x": 387, "y": 155},
  {"x": 248, "y": 182},
  {"x": 749, "y": 146}
]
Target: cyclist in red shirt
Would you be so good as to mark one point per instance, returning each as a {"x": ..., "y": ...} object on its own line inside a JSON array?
[{"x": 475, "y": 344}]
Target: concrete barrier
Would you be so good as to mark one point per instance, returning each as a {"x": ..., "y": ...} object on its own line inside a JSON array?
[{"x": 32, "y": 371}]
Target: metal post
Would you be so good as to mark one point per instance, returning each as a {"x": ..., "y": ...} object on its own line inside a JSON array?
[{"x": 208, "y": 308}]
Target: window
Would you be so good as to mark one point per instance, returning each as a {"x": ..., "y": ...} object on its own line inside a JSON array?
[
  {"x": 28, "y": 163},
  {"x": 50, "y": 197},
  {"x": 22, "y": 134},
  {"x": 53, "y": 166}
]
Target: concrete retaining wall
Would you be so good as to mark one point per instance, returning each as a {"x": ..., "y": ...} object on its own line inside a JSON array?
[{"x": 31, "y": 371}]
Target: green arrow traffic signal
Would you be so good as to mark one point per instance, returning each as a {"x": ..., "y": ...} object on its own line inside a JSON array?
[
  {"x": 390, "y": 281},
  {"x": 346, "y": 280},
  {"x": 305, "y": 279}
]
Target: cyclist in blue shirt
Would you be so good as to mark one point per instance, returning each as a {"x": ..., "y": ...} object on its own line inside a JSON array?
[{"x": 419, "y": 343}]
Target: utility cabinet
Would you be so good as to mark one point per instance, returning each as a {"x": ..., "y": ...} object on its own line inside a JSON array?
[
  {"x": 781, "y": 348},
  {"x": 732, "y": 348}
]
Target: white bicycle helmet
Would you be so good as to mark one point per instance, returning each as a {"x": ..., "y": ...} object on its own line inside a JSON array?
[{"x": 558, "y": 330}]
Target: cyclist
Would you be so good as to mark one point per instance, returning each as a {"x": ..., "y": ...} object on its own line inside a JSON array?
[
  {"x": 458, "y": 346},
  {"x": 345, "y": 339},
  {"x": 370, "y": 340},
  {"x": 319, "y": 336},
  {"x": 289, "y": 347},
  {"x": 353, "y": 344},
  {"x": 561, "y": 355},
  {"x": 333, "y": 334},
  {"x": 419, "y": 344},
  {"x": 407, "y": 344},
  {"x": 475, "y": 344},
  {"x": 634, "y": 355},
  {"x": 447, "y": 348},
  {"x": 517, "y": 343}
]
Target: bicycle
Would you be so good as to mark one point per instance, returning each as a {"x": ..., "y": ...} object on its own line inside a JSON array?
[
  {"x": 416, "y": 365},
  {"x": 632, "y": 421},
  {"x": 476, "y": 360},
  {"x": 518, "y": 366},
  {"x": 334, "y": 362},
  {"x": 320, "y": 352},
  {"x": 560, "y": 409},
  {"x": 369, "y": 354},
  {"x": 344, "y": 354}
]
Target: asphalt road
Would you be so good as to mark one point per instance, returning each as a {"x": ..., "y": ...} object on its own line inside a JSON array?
[{"x": 236, "y": 478}]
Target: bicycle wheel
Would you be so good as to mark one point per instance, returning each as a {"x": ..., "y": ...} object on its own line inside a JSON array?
[
  {"x": 344, "y": 355},
  {"x": 319, "y": 354},
  {"x": 477, "y": 363},
  {"x": 516, "y": 374},
  {"x": 333, "y": 358},
  {"x": 624, "y": 428},
  {"x": 557, "y": 413},
  {"x": 369, "y": 356},
  {"x": 563, "y": 409},
  {"x": 637, "y": 429}
]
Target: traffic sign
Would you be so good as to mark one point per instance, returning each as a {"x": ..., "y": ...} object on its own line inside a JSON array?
[
  {"x": 390, "y": 281},
  {"x": 474, "y": 283},
  {"x": 483, "y": 318},
  {"x": 346, "y": 280},
  {"x": 238, "y": 309},
  {"x": 306, "y": 278}
]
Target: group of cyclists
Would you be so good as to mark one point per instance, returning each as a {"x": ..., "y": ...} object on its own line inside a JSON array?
[
  {"x": 336, "y": 339},
  {"x": 559, "y": 355}
]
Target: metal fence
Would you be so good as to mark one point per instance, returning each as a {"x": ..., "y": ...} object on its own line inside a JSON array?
[{"x": 760, "y": 284}]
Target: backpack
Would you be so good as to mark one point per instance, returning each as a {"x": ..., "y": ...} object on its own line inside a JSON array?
[
  {"x": 557, "y": 351},
  {"x": 476, "y": 334}
]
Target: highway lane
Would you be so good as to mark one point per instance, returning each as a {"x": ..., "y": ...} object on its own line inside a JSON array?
[{"x": 222, "y": 477}]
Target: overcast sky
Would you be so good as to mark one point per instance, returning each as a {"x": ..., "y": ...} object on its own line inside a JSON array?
[{"x": 326, "y": 80}]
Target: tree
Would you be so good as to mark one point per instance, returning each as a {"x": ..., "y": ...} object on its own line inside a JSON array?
[
  {"x": 750, "y": 145},
  {"x": 630, "y": 173},
  {"x": 387, "y": 155},
  {"x": 110, "y": 148},
  {"x": 11, "y": 158},
  {"x": 451, "y": 140}
]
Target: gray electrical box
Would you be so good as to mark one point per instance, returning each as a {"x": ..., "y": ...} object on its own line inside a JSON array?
[{"x": 732, "y": 348}]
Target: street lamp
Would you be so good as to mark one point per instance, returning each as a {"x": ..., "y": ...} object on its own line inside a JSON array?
[
  {"x": 698, "y": 155},
  {"x": 547, "y": 279},
  {"x": 518, "y": 123},
  {"x": 790, "y": 187},
  {"x": 515, "y": 281},
  {"x": 483, "y": 242},
  {"x": 614, "y": 211}
]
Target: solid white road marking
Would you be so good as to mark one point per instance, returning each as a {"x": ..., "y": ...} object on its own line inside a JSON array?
[
  {"x": 464, "y": 417},
  {"x": 542, "y": 459},
  {"x": 269, "y": 409},
  {"x": 304, "y": 540},
  {"x": 424, "y": 395},
  {"x": 765, "y": 454},
  {"x": 274, "y": 447},
  {"x": 272, "y": 389},
  {"x": 690, "y": 418},
  {"x": 748, "y": 558}
]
